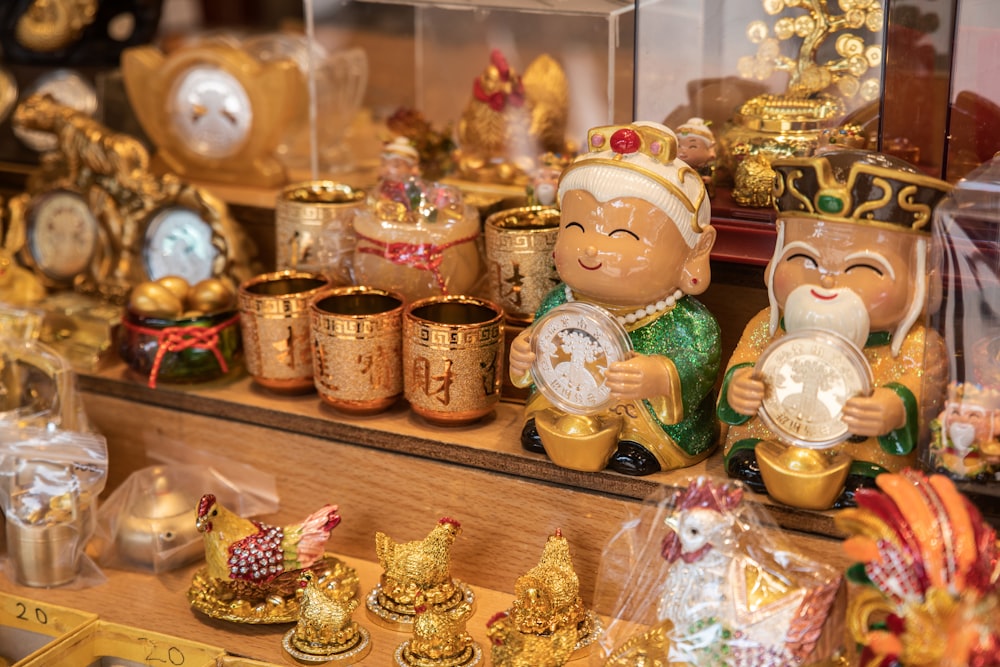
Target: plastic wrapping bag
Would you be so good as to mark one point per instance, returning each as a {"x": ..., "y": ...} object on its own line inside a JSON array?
[
  {"x": 148, "y": 523},
  {"x": 39, "y": 387},
  {"x": 49, "y": 483},
  {"x": 418, "y": 238},
  {"x": 694, "y": 578}
]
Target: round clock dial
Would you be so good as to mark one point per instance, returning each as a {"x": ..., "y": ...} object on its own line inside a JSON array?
[
  {"x": 62, "y": 234},
  {"x": 210, "y": 111},
  {"x": 179, "y": 243}
]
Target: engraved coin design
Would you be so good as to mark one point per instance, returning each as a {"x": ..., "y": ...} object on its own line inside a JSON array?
[
  {"x": 574, "y": 344},
  {"x": 810, "y": 375}
]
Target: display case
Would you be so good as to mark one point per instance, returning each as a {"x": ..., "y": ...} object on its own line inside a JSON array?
[{"x": 666, "y": 60}]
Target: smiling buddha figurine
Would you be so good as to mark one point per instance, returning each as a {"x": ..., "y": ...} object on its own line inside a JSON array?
[
  {"x": 851, "y": 259},
  {"x": 634, "y": 241}
]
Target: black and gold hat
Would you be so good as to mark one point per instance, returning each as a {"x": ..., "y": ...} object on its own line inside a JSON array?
[{"x": 857, "y": 186}]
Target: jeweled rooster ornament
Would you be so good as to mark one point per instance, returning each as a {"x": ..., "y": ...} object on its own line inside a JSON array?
[
  {"x": 730, "y": 596},
  {"x": 927, "y": 569},
  {"x": 252, "y": 568},
  {"x": 512, "y": 119}
]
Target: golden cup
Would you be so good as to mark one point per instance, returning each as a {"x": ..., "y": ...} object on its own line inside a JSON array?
[
  {"x": 314, "y": 228},
  {"x": 452, "y": 358},
  {"x": 357, "y": 338},
  {"x": 519, "y": 244},
  {"x": 274, "y": 318}
]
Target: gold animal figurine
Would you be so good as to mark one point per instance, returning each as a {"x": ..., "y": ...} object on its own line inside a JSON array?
[
  {"x": 439, "y": 638},
  {"x": 547, "y": 621},
  {"x": 421, "y": 567},
  {"x": 18, "y": 285},
  {"x": 511, "y": 119},
  {"x": 50, "y": 25},
  {"x": 325, "y": 629},
  {"x": 253, "y": 569}
]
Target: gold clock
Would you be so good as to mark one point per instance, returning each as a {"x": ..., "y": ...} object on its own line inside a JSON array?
[{"x": 214, "y": 110}]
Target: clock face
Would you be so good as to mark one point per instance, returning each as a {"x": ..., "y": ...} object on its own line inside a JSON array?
[
  {"x": 179, "y": 243},
  {"x": 68, "y": 88},
  {"x": 210, "y": 111},
  {"x": 62, "y": 234}
]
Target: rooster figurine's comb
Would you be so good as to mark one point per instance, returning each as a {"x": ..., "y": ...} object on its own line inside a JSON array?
[{"x": 448, "y": 520}]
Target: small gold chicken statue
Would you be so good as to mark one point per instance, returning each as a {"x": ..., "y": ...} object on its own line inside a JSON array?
[
  {"x": 409, "y": 569},
  {"x": 547, "y": 621},
  {"x": 512, "y": 119},
  {"x": 252, "y": 569},
  {"x": 325, "y": 630},
  {"x": 439, "y": 638}
]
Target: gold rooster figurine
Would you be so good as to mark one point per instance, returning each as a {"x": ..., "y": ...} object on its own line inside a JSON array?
[
  {"x": 511, "y": 119},
  {"x": 548, "y": 620},
  {"x": 513, "y": 648},
  {"x": 252, "y": 569},
  {"x": 420, "y": 567},
  {"x": 325, "y": 630},
  {"x": 439, "y": 637}
]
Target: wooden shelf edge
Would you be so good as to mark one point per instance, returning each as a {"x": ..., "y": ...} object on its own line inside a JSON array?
[{"x": 492, "y": 445}]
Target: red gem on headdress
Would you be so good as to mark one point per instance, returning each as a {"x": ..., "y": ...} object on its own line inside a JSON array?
[{"x": 625, "y": 141}]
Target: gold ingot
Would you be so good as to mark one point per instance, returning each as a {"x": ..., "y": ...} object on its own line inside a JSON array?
[
  {"x": 801, "y": 477},
  {"x": 578, "y": 442}
]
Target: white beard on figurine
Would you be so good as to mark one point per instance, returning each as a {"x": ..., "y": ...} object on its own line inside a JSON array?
[{"x": 838, "y": 310}]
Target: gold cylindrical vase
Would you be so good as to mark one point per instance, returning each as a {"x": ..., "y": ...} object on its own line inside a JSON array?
[
  {"x": 314, "y": 228},
  {"x": 357, "y": 338},
  {"x": 452, "y": 358},
  {"x": 274, "y": 318},
  {"x": 519, "y": 244}
]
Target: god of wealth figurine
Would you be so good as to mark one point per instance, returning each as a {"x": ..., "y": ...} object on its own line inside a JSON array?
[
  {"x": 827, "y": 386},
  {"x": 548, "y": 621},
  {"x": 621, "y": 355},
  {"x": 420, "y": 567},
  {"x": 696, "y": 146}
]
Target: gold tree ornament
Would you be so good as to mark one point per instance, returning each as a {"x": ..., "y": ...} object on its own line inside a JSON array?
[{"x": 853, "y": 58}]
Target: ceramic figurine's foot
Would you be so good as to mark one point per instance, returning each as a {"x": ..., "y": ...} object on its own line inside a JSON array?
[
  {"x": 530, "y": 440},
  {"x": 633, "y": 459},
  {"x": 742, "y": 464},
  {"x": 853, "y": 482}
]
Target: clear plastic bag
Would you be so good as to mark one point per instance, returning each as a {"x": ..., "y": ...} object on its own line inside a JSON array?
[
  {"x": 695, "y": 578},
  {"x": 49, "y": 483},
  {"x": 148, "y": 523}
]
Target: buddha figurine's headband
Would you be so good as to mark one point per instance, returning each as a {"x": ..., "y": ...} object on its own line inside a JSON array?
[{"x": 639, "y": 160}]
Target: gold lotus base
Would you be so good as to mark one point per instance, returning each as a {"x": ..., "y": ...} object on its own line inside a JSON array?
[
  {"x": 275, "y": 602},
  {"x": 800, "y": 477},
  {"x": 399, "y": 617},
  {"x": 354, "y": 651},
  {"x": 472, "y": 655}
]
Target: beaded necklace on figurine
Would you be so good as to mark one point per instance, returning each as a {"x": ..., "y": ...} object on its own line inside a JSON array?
[{"x": 651, "y": 309}]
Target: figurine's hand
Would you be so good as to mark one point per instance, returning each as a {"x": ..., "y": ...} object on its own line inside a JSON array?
[
  {"x": 745, "y": 392},
  {"x": 642, "y": 376},
  {"x": 521, "y": 357},
  {"x": 874, "y": 415}
]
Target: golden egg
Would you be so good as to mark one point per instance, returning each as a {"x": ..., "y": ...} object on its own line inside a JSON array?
[
  {"x": 151, "y": 299},
  {"x": 179, "y": 286},
  {"x": 211, "y": 296}
]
